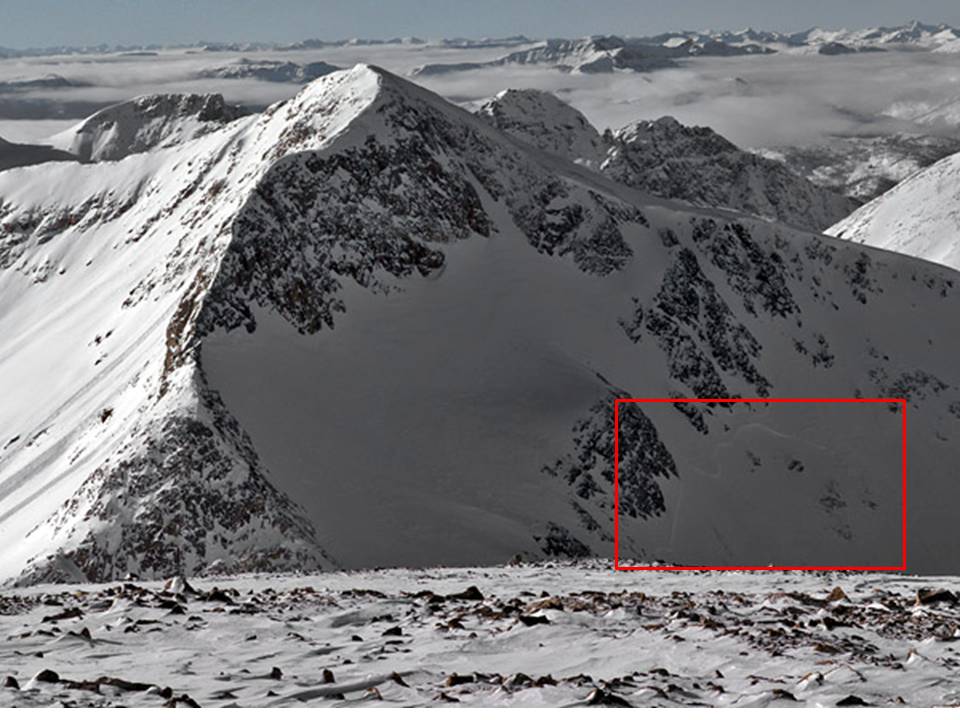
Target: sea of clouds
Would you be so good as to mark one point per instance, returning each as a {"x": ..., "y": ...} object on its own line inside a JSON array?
[{"x": 756, "y": 101}]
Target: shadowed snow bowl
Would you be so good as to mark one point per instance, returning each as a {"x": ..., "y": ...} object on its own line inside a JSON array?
[
  {"x": 813, "y": 483},
  {"x": 415, "y": 432}
]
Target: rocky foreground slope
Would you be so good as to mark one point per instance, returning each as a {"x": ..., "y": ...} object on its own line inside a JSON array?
[
  {"x": 498, "y": 636},
  {"x": 367, "y": 328}
]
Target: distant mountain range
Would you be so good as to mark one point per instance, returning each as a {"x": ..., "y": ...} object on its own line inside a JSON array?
[{"x": 666, "y": 46}]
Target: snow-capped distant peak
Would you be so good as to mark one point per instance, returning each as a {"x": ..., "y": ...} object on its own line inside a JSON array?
[
  {"x": 145, "y": 123},
  {"x": 270, "y": 70},
  {"x": 667, "y": 158},
  {"x": 544, "y": 121},
  {"x": 669, "y": 137}
]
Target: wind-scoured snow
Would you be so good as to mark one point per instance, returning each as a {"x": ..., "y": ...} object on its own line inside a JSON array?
[{"x": 524, "y": 636}]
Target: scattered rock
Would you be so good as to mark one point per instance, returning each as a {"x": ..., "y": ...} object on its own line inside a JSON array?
[
  {"x": 455, "y": 679},
  {"x": 530, "y": 620},
  {"x": 84, "y": 633},
  {"x": 65, "y": 615},
  {"x": 328, "y": 678},
  {"x": 217, "y": 595},
  {"x": 550, "y": 603},
  {"x": 392, "y": 632},
  {"x": 519, "y": 680},
  {"x": 125, "y": 685},
  {"x": 471, "y": 593},
  {"x": 398, "y": 679},
  {"x": 181, "y": 700},
  {"x": 276, "y": 673},
  {"x": 48, "y": 676},
  {"x": 829, "y": 623},
  {"x": 836, "y": 595},
  {"x": 929, "y": 596},
  {"x": 782, "y": 694},
  {"x": 852, "y": 701},
  {"x": 827, "y": 648},
  {"x": 601, "y": 698},
  {"x": 178, "y": 586},
  {"x": 11, "y": 682}
]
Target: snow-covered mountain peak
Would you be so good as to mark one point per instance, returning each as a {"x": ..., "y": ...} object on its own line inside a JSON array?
[
  {"x": 359, "y": 180},
  {"x": 666, "y": 158},
  {"x": 700, "y": 165},
  {"x": 145, "y": 123},
  {"x": 366, "y": 308},
  {"x": 543, "y": 120},
  {"x": 668, "y": 138},
  {"x": 269, "y": 70}
]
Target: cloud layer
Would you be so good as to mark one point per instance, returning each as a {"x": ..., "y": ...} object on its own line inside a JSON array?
[{"x": 755, "y": 101}]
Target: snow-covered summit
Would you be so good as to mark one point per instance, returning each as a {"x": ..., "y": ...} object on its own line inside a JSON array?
[
  {"x": 144, "y": 123},
  {"x": 701, "y": 166},
  {"x": 546, "y": 122},
  {"x": 669, "y": 159},
  {"x": 270, "y": 70}
]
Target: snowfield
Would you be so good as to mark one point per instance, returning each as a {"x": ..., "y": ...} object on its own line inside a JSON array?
[
  {"x": 918, "y": 217},
  {"x": 530, "y": 635}
]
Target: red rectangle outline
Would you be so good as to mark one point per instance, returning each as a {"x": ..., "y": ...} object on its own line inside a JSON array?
[{"x": 773, "y": 568}]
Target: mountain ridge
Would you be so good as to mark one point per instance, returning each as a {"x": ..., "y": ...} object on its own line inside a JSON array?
[
  {"x": 367, "y": 239},
  {"x": 668, "y": 159}
]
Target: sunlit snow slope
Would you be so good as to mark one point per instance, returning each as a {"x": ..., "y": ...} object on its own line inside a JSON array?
[{"x": 919, "y": 217}]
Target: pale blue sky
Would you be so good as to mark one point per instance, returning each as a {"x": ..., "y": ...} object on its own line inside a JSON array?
[{"x": 31, "y": 23}]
